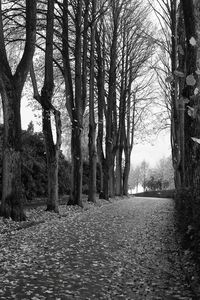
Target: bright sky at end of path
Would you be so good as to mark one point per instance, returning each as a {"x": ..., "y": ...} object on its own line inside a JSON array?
[{"x": 153, "y": 152}]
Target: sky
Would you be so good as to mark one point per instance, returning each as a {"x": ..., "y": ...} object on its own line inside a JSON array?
[
  {"x": 150, "y": 152},
  {"x": 160, "y": 146},
  {"x": 153, "y": 152},
  {"x": 27, "y": 116}
]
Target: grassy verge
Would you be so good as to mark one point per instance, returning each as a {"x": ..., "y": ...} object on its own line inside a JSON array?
[{"x": 157, "y": 194}]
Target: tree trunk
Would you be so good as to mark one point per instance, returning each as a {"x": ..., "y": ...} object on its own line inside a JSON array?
[
  {"x": 112, "y": 179},
  {"x": 119, "y": 173},
  {"x": 188, "y": 92},
  {"x": 11, "y": 205},
  {"x": 52, "y": 155},
  {"x": 181, "y": 60},
  {"x": 52, "y": 202},
  {"x": 105, "y": 192},
  {"x": 92, "y": 124},
  {"x": 73, "y": 104},
  {"x": 110, "y": 112},
  {"x": 126, "y": 171},
  {"x": 101, "y": 180},
  {"x": 197, "y": 173},
  {"x": 92, "y": 163},
  {"x": 128, "y": 130},
  {"x": 77, "y": 167},
  {"x": 175, "y": 111},
  {"x": 45, "y": 99},
  {"x": 122, "y": 114},
  {"x": 52, "y": 149},
  {"x": 101, "y": 103},
  {"x": 11, "y": 87}
]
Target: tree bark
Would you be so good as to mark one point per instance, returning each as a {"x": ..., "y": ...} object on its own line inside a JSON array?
[
  {"x": 129, "y": 130},
  {"x": 45, "y": 99},
  {"x": 75, "y": 96},
  {"x": 11, "y": 87},
  {"x": 77, "y": 167},
  {"x": 101, "y": 104},
  {"x": 119, "y": 172},
  {"x": 92, "y": 163},
  {"x": 110, "y": 113},
  {"x": 92, "y": 124},
  {"x": 122, "y": 114},
  {"x": 52, "y": 149},
  {"x": 181, "y": 107},
  {"x": 175, "y": 109},
  {"x": 112, "y": 177},
  {"x": 188, "y": 92},
  {"x": 11, "y": 205},
  {"x": 52, "y": 155},
  {"x": 126, "y": 171}
]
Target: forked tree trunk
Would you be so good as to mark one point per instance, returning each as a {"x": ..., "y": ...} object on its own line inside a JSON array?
[
  {"x": 52, "y": 149},
  {"x": 45, "y": 99},
  {"x": 11, "y": 86}
]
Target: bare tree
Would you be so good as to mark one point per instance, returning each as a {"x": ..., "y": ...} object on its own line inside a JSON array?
[
  {"x": 45, "y": 99},
  {"x": 11, "y": 90},
  {"x": 100, "y": 49},
  {"x": 170, "y": 67},
  {"x": 75, "y": 87},
  {"x": 92, "y": 124},
  {"x": 137, "y": 49},
  {"x": 123, "y": 47}
]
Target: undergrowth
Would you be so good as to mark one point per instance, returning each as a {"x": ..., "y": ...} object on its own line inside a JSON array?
[{"x": 188, "y": 220}]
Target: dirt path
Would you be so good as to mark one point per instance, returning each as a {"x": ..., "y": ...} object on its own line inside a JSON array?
[{"x": 123, "y": 250}]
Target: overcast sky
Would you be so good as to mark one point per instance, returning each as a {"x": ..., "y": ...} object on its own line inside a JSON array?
[{"x": 152, "y": 153}]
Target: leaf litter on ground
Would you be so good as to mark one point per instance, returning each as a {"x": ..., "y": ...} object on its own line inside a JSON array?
[{"x": 124, "y": 250}]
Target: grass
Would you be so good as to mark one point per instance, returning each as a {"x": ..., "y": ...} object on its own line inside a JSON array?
[{"x": 157, "y": 194}]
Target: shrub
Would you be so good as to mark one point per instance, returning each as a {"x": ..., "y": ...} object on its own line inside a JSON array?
[
  {"x": 34, "y": 168},
  {"x": 188, "y": 216}
]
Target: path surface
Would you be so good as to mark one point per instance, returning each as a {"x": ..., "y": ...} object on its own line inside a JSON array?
[{"x": 123, "y": 250}]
